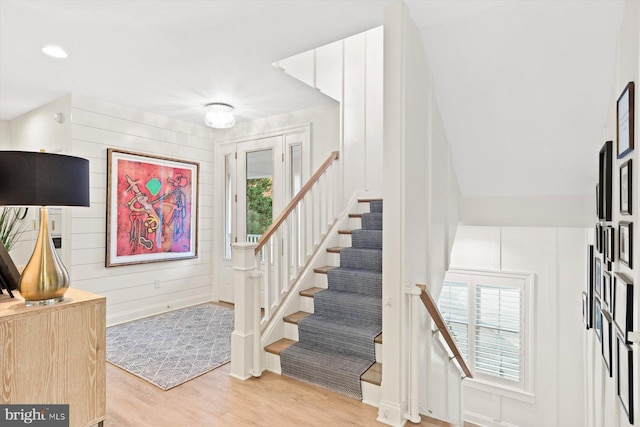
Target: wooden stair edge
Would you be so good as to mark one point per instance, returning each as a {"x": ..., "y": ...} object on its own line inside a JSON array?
[
  {"x": 310, "y": 292},
  {"x": 367, "y": 200},
  {"x": 335, "y": 249},
  {"x": 373, "y": 375},
  {"x": 277, "y": 346},
  {"x": 378, "y": 339},
  {"x": 294, "y": 318},
  {"x": 324, "y": 269},
  {"x": 355, "y": 215},
  {"x": 345, "y": 231}
]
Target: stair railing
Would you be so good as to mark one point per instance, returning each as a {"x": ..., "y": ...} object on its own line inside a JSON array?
[
  {"x": 264, "y": 272},
  {"x": 447, "y": 341}
]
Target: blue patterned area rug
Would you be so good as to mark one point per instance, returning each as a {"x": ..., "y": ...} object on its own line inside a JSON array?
[{"x": 172, "y": 348}]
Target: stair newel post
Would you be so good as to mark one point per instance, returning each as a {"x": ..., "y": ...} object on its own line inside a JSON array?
[
  {"x": 413, "y": 413},
  {"x": 245, "y": 335}
]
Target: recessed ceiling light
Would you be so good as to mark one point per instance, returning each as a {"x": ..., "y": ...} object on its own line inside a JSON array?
[{"x": 54, "y": 51}]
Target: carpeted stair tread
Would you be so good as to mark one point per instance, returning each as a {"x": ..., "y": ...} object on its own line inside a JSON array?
[
  {"x": 373, "y": 375},
  {"x": 333, "y": 371},
  {"x": 337, "y": 342},
  {"x": 369, "y": 259},
  {"x": 355, "y": 280},
  {"x": 348, "y": 306},
  {"x": 366, "y": 239},
  {"x": 372, "y": 221},
  {"x": 350, "y": 336},
  {"x": 278, "y": 346},
  {"x": 294, "y": 318},
  {"x": 311, "y": 292},
  {"x": 375, "y": 206},
  {"x": 324, "y": 269}
]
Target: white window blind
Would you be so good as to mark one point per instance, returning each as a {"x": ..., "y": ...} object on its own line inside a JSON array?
[
  {"x": 497, "y": 331},
  {"x": 485, "y": 314}
]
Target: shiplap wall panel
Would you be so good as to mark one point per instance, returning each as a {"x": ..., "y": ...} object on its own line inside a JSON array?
[{"x": 130, "y": 290}]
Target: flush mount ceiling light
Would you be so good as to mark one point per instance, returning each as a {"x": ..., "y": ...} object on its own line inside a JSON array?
[
  {"x": 219, "y": 116},
  {"x": 54, "y": 51}
]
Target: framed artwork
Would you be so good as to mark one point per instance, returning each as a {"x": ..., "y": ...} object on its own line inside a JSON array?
[
  {"x": 598, "y": 202},
  {"x": 152, "y": 208},
  {"x": 597, "y": 276},
  {"x": 625, "y": 121},
  {"x": 606, "y": 291},
  {"x": 597, "y": 318},
  {"x": 624, "y": 376},
  {"x": 606, "y": 342},
  {"x": 605, "y": 184},
  {"x": 625, "y": 243},
  {"x": 585, "y": 311},
  {"x": 626, "y": 194},
  {"x": 623, "y": 304},
  {"x": 587, "y": 297},
  {"x": 598, "y": 233},
  {"x": 609, "y": 238}
]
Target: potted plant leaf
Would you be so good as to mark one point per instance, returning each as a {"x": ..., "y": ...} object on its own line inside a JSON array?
[{"x": 11, "y": 225}]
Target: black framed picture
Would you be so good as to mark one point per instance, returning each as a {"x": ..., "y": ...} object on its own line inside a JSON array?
[
  {"x": 606, "y": 341},
  {"x": 625, "y": 120},
  {"x": 597, "y": 276},
  {"x": 587, "y": 298},
  {"x": 626, "y": 194},
  {"x": 624, "y": 376},
  {"x": 625, "y": 243},
  {"x": 606, "y": 291},
  {"x": 623, "y": 304},
  {"x": 605, "y": 184},
  {"x": 609, "y": 238},
  {"x": 597, "y": 318},
  {"x": 598, "y": 233}
]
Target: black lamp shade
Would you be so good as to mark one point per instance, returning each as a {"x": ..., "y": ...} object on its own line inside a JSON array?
[{"x": 43, "y": 179}]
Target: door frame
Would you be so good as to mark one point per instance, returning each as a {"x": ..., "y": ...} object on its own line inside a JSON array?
[{"x": 300, "y": 134}]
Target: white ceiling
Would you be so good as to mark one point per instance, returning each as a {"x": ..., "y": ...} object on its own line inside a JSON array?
[{"x": 523, "y": 86}]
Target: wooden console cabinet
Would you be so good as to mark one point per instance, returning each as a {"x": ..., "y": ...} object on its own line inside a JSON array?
[{"x": 55, "y": 355}]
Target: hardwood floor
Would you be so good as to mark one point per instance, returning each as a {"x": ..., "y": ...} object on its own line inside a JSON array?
[{"x": 216, "y": 399}]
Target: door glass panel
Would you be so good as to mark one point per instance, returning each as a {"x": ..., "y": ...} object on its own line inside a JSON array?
[
  {"x": 228, "y": 206},
  {"x": 259, "y": 193},
  {"x": 296, "y": 169}
]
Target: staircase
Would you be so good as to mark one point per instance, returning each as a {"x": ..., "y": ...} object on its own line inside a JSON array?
[{"x": 339, "y": 328}]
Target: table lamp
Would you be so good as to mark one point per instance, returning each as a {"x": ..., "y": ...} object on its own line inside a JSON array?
[{"x": 43, "y": 179}]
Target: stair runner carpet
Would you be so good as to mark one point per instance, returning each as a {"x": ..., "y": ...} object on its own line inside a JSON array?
[{"x": 336, "y": 343}]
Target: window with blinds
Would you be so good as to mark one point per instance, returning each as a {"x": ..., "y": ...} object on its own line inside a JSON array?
[{"x": 485, "y": 313}]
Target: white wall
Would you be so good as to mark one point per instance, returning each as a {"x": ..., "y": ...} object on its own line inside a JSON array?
[
  {"x": 557, "y": 257},
  {"x": 130, "y": 290},
  {"x": 325, "y": 130},
  {"x": 34, "y": 131},
  {"x": 5, "y": 135},
  {"x": 350, "y": 71},
  {"x": 421, "y": 197},
  {"x": 601, "y": 396},
  {"x": 531, "y": 211}
]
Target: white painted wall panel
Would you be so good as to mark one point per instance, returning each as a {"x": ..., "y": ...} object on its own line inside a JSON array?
[
  {"x": 5, "y": 135},
  {"x": 130, "y": 290},
  {"x": 354, "y": 149},
  {"x": 557, "y": 258},
  {"x": 374, "y": 69},
  {"x": 329, "y": 69}
]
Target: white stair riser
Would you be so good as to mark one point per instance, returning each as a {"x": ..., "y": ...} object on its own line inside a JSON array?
[
  {"x": 344, "y": 240},
  {"x": 370, "y": 393},
  {"x": 306, "y": 304},
  {"x": 333, "y": 259},
  {"x": 379, "y": 352},
  {"x": 291, "y": 331},
  {"x": 320, "y": 281},
  {"x": 355, "y": 223},
  {"x": 273, "y": 363}
]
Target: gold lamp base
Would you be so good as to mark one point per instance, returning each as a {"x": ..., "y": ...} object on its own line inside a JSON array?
[{"x": 45, "y": 279}]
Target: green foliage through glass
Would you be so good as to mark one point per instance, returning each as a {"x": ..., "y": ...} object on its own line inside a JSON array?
[{"x": 259, "y": 205}]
